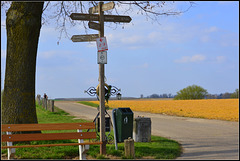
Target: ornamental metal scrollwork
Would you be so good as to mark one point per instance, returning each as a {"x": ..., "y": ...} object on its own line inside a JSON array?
[{"x": 92, "y": 91}]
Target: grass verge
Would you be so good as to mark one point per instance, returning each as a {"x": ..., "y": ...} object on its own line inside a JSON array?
[
  {"x": 94, "y": 104},
  {"x": 88, "y": 103},
  {"x": 158, "y": 148}
]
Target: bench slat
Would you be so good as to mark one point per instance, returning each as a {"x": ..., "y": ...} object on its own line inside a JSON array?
[
  {"x": 48, "y": 126},
  {"x": 49, "y": 145},
  {"x": 49, "y": 136}
]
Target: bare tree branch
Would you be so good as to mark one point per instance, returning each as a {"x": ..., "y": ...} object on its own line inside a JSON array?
[{"x": 61, "y": 11}]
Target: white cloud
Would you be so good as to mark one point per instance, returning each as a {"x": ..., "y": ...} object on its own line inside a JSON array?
[
  {"x": 205, "y": 35},
  {"x": 229, "y": 39},
  {"x": 211, "y": 29},
  {"x": 188, "y": 59},
  {"x": 205, "y": 38},
  {"x": 128, "y": 40},
  {"x": 47, "y": 54},
  {"x": 225, "y": 2},
  {"x": 137, "y": 38},
  {"x": 141, "y": 66},
  {"x": 184, "y": 59},
  {"x": 167, "y": 32},
  {"x": 133, "y": 39},
  {"x": 197, "y": 58},
  {"x": 145, "y": 65},
  {"x": 57, "y": 54},
  {"x": 173, "y": 33},
  {"x": 92, "y": 44},
  {"x": 220, "y": 59}
]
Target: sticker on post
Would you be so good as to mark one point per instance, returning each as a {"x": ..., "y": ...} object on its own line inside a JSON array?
[
  {"x": 102, "y": 57},
  {"x": 101, "y": 44}
]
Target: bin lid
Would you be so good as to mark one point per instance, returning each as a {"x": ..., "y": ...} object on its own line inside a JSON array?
[
  {"x": 125, "y": 110},
  {"x": 143, "y": 119}
]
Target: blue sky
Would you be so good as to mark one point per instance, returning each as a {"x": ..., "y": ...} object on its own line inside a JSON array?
[{"x": 199, "y": 47}]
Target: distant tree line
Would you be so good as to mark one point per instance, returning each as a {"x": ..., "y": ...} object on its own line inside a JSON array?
[
  {"x": 164, "y": 95},
  {"x": 195, "y": 92},
  {"x": 224, "y": 95}
]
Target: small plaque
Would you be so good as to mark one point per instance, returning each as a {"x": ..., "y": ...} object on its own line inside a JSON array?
[
  {"x": 101, "y": 44},
  {"x": 102, "y": 57}
]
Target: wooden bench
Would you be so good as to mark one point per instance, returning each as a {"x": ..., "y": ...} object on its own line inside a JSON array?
[{"x": 8, "y": 137}]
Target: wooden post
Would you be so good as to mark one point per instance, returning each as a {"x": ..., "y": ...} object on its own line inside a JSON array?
[
  {"x": 48, "y": 105},
  {"x": 101, "y": 87},
  {"x": 45, "y": 103},
  {"x": 52, "y": 106},
  {"x": 38, "y": 99},
  {"x": 129, "y": 147}
]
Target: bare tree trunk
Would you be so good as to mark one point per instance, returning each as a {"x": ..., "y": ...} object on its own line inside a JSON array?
[{"x": 23, "y": 28}]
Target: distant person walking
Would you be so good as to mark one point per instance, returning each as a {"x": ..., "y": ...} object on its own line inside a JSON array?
[{"x": 45, "y": 96}]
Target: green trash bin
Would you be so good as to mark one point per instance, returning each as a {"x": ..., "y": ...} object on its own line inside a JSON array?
[{"x": 124, "y": 124}]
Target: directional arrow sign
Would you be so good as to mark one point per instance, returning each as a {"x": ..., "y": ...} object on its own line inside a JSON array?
[
  {"x": 107, "y": 18},
  {"x": 84, "y": 17},
  {"x": 93, "y": 25},
  {"x": 117, "y": 18},
  {"x": 105, "y": 7},
  {"x": 92, "y": 91},
  {"x": 84, "y": 38}
]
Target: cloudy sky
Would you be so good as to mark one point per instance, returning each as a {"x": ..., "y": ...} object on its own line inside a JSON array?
[{"x": 200, "y": 46}]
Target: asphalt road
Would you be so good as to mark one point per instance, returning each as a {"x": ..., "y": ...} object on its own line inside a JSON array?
[{"x": 200, "y": 138}]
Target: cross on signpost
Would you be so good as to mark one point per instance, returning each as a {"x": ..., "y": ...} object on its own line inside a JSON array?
[{"x": 100, "y": 17}]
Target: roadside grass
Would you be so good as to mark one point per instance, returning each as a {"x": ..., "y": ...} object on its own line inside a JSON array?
[
  {"x": 93, "y": 104},
  {"x": 88, "y": 103},
  {"x": 158, "y": 148}
]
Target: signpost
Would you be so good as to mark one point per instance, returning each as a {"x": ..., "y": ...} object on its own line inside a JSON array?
[
  {"x": 101, "y": 86},
  {"x": 105, "y": 7},
  {"x": 93, "y": 25},
  {"x": 117, "y": 18},
  {"x": 84, "y": 17},
  {"x": 84, "y": 38},
  {"x": 94, "y": 17},
  {"x": 102, "y": 53}
]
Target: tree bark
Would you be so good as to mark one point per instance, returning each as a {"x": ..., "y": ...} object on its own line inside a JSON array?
[{"x": 23, "y": 24}]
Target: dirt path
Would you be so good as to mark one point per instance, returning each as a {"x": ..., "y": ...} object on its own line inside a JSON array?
[{"x": 200, "y": 138}]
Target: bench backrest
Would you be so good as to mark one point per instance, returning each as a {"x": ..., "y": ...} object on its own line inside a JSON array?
[{"x": 47, "y": 136}]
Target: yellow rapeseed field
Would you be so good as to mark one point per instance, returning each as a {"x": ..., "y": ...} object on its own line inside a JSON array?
[{"x": 221, "y": 109}]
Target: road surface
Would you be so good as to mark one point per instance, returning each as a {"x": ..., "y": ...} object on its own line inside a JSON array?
[{"x": 200, "y": 138}]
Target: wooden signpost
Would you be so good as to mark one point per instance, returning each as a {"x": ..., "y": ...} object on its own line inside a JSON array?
[
  {"x": 105, "y": 7},
  {"x": 84, "y": 38},
  {"x": 100, "y": 17},
  {"x": 93, "y": 25},
  {"x": 93, "y": 17}
]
